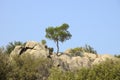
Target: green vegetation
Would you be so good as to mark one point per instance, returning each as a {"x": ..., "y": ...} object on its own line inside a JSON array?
[
  {"x": 24, "y": 68},
  {"x": 5, "y": 66},
  {"x": 109, "y": 70},
  {"x": 89, "y": 49},
  {"x": 27, "y": 67},
  {"x": 43, "y": 42},
  {"x": 12, "y": 45},
  {"x": 118, "y": 56},
  {"x": 78, "y": 51},
  {"x": 59, "y": 33}
]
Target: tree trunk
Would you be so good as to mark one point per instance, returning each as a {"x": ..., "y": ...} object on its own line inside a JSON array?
[{"x": 57, "y": 43}]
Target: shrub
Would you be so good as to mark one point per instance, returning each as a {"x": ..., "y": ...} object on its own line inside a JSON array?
[
  {"x": 118, "y": 56},
  {"x": 58, "y": 74},
  {"x": 108, "y": 70},
  {"x": 5, "y": 66},
  {"x": 78, "y": 51},
  {"x": 43, "y": 42},
  {"x": 25, "y": 67},
  {"x": 89, "y": 49},
  {"x": 28, "y": 68}
]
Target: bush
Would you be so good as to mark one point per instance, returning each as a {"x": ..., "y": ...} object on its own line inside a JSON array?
[
  {"x": 58, "y": 74},
  {"x": 5, "y": 66},
  {"x": 28, "y": 68},
  {"x": 108, "y": 70},
  {"x": 78, "y": 51},
  {"x": 118, "y": 56},
  {"x": 43, "y": 42},
  {"x": 25, "y": 67},
  {"x": 89, "y": 49}
]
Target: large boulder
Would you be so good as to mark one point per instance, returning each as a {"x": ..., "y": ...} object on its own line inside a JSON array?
[
  {"x": 90, "y": 56},
  {"x": 17, "y": 50},
  {"x": 68, "y": 51},
  {"x": 97, "y": 61},
  {"x": 33, "y": 48},
  {"x": 79, "y": 62},
  {"x": 102, "y": 58},
  {"x": 66, "y": 62},
  {"x": 106, "y": 56},
  {"x": 61, "y": 61},
  {"x": 31, "y": 44}
]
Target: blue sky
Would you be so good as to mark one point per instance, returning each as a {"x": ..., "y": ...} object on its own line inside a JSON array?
[{"x": 93, "y": 22}]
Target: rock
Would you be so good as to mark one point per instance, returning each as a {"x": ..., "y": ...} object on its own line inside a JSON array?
[
  {"x": 16, "y": 51},
  {"x": 75, "y": 63},
  {"x": 56, "y": 61},
  {"x": 64, "y": 61},
  {"x": 31, "y": 44},
  {"x": 106, "y": 56},
  {"x": 91, "y": 56},
  {"x": 102, "y": 58},
  {"x": 97, "y": 61},
  {"x": 86, "y": 62},
  {"x": 79, "y": 62},
  {"x": 67, "y": 51},
  {"x": 65, "y": 58},
  {"x": 33, "y": 48},
  {"x": 61, "y": 61}
]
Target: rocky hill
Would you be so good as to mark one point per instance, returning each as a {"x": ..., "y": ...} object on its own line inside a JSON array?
[{"x": 64, "y": 61}]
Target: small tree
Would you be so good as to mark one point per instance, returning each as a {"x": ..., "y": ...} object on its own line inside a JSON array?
[
  {"x": 59, "y": 33},
  {"x": 43, "y": 42}
]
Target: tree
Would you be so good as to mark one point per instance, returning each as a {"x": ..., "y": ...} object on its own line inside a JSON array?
[
  {"x": 43, "y": 42},
  {"x": 58, "y": 34}
]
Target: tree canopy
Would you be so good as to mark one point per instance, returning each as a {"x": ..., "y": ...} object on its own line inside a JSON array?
[{"x": 58, "y": 34}]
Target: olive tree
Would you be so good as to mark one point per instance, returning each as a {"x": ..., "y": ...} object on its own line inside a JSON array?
[{"x": 58, "y": 34}]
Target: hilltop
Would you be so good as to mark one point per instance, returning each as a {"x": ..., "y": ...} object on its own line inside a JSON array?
[
  {"x": 66, "y": 60},
  {"x": 37, "y": 61}
]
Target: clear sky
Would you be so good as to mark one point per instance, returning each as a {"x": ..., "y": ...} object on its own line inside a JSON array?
[{"x": 93, "y": 22}]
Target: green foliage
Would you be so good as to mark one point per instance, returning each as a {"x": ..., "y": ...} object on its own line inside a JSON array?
[
  {"x": 28, "y": 68},
  {"x": 108, "y": 70},
  {"x": 58, "y": 74},
  {"x": 5, "y": 66},
  {"x": 59, "y": 33},
  {"x": 89, "y": 49},
  {"x": 78, "y": 51},
  {"x": 51, "y": 50},
  {"x": 43, "y": 42},
  {"x": 118, "y": 56},
  {"x": 25, "y": 67},
  {"x": 12, "y": 45}
]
